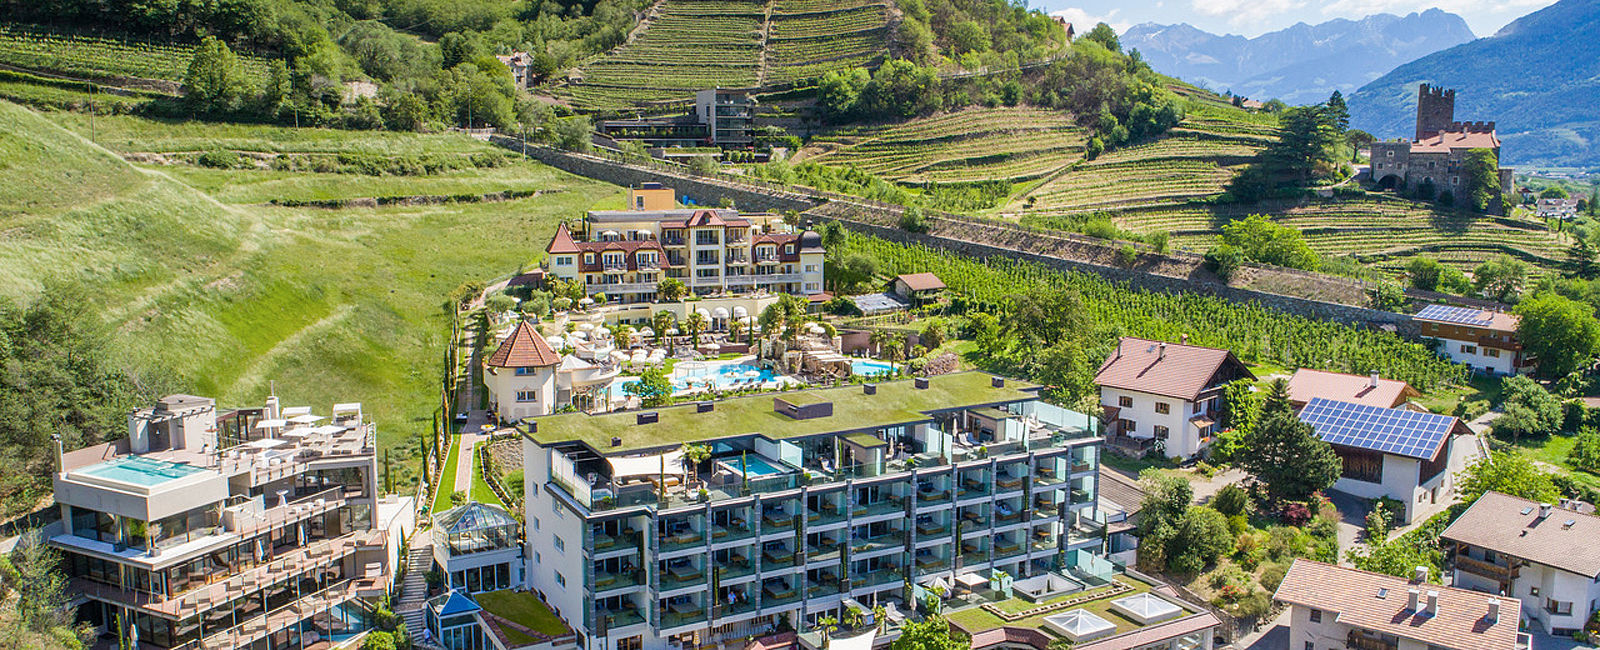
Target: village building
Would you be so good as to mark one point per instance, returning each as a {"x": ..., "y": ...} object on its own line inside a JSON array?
[
  {"x": 521, "y": 66},
  {"x": 625, "y": 254},
  {"x": 1485, "y": 341},
  {"x": 918, "y": 289},
  {"x": 1538, "y": 553},
  {"x": 1338, "y": 607},
  {"x": 1435, "y": 156},
  {"x": 1556, "y": 208},
  {"x": 1165, "y": 394},
  {"x": 1400, "y": 454},
  {"x": 1371, "y": 390}
]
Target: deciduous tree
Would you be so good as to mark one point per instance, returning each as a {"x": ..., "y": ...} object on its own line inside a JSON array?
[
  {"x": 1285, "y": 453},
  {"x": 1561, "y": 334}
]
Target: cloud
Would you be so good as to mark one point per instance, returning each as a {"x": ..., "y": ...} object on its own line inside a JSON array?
[
  {"x": 1245, "y": 13},
  {"x": 1083, "y": 21}
]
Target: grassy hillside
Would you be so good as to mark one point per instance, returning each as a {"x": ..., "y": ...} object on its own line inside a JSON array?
[{"x": 230, "y": 294}]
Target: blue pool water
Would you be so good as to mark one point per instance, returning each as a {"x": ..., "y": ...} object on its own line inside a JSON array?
[
  {"x": 753, "y": 466},
  {"x": 139, "y": 470},
  {"x": 724, "y": 376},
  {"x": 868, "y": 367}
]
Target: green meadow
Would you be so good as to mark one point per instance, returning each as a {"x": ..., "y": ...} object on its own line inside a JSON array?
[{"x": 214, "y": 291}]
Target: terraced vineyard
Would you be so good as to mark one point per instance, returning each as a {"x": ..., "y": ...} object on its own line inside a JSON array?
[
  {"x": 1197, "y": 159},
  {"x": 99, "y": 57},
  {"x": 1015, "y": 144},
  {"x": 809, "y": 38},
  {"x": 657, "y": 65},
  {"x": 804, "y": 39},
  {"x": 1382, "y": 230}
]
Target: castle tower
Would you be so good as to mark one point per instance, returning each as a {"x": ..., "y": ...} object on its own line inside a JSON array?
[{"x": 1436, "y": 110}]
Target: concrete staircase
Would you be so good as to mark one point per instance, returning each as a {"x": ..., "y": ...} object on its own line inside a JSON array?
[{"x": 414, "y": 590}]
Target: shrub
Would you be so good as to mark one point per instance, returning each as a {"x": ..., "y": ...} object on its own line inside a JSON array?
[
  {"x": 1273, "y": 574},
  {"x": 1201, "y": 536},
  {"x": 1238, "y": 525},
  {"x": 1224, "y": 260},
  {"x": 912, "y": 220},
  {"x": 220, "y": 159},
  {"x": 1294, "y": 513},
  {"x": 378, "y": 640},
  {"x": 1231, "y": 500}
]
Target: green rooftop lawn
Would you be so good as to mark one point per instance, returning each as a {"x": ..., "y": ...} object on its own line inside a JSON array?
[
  {"x": 447, "y": 478},
  {"x": 522, "y": 608},
  {"x": 976, "y": 619},
  {"x": 867, "y": 440},
  {"x": 897, "y": 402},
  {"x": 803, "y": 398}
]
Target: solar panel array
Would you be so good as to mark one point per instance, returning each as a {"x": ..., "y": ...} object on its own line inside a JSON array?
[
  {"x": 1462, "y": 315},
  {"x": 1391, "y": 431}
]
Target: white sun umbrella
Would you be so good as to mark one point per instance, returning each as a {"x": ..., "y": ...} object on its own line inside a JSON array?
[
  {"x": 638, "y": 356},
  {"x": 703, "y": 313},
  {"x": 672, "y": 332},
  {"x": 556, "y": 342},
  {"x": 586, "y": 301},
  {"x": 646, "y": 331},
  {"x": 587, "y": 327},
  {"x": 720, "y": 312},
  {"x": 619, "y": 355},
  {"x": 740, "y": 312},
  {"x": 579, "y": 336},
  {"x": 602, "y": 332}
]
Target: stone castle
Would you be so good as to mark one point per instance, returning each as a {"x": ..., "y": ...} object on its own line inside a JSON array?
[{"x": 1435, "y": 154}]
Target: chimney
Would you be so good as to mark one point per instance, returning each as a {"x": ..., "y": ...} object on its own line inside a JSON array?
[
  {"x": 1411, "y": 599},
  {"x": 1184, "y": 338},
  {"x": 997, "y": 382},
  {"x": 1433, "y": 602},
  {"x": 1494, "y": 611},
  {"x": 616, "y": 441},
  {"x": 1420, "y": 575},
  {"x": 647, "y": 417},
  {"x": 703, "y": 407},
  {"x": 1162, "y": 352},
  {"x": 869, "y": 389},
  {"x": 1119, "y": 348},
  {"x": 920, "y": 383},
  {"x": 1544, "y": 510},
  {"x": 1374, "y": 382}
]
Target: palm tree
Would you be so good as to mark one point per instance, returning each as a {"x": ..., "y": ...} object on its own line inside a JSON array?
[
  {"x": 661, "y": 322},
  {"x": 696, "y": 324},
  {"x": 735, "y": 328},
  {"x": 895, "y": 347}
]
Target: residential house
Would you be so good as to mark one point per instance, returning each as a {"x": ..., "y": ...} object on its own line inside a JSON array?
[
  {"x": 238, "y": 528},
  {"x": 1165, "y": 394},
  {"x": 808, "y": 499},
  {"x": 1556, "y": 208},
  {"x": 521, "y": 65},
  {"x": 1485, "y": 341},
  {"x": 1396, "y": 453},
  {"x": 526, "y": 377},
  {"x": 1539, "y": 554},
  {"x": 624, "y": 254},
  {"x": 1334, "y": 607},
  {"x": 918, "y": 288},
  {"x": 1371, "y": 390}
]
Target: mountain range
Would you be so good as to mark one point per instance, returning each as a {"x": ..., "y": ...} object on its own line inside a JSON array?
[
  {"x": 1538, "y": 78},
  {"x": 1300, "y": 64}
]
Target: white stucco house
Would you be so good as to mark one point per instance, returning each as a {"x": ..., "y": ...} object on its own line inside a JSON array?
[
  {"x": 1539, "y": 553},
  {"x": 1338, "y": 607},
  {"x": 1396, "y": 453},
  {"x": 1485, "y": 341},
  {"x": 526, "y": 377},
  {"x": 1166, "y": 395}
]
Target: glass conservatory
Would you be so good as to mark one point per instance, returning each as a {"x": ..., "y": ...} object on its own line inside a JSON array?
[{"x": 479, "y": 546}]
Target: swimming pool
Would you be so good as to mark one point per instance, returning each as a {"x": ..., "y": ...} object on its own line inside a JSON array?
[
  {"x": 869, "y": 367},
  {"x": 723, "y": 376},
  {"x": 139, "y": 470},
  {"x": 753, "y": 465}
]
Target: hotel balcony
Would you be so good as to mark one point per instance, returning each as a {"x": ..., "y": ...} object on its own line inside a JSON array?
[
  {"x": 1008, "y": 549},
  {"x": 828, "y": 512},
  {"x": 880, "y": 577},
  {"x": 776, "y": 558},
  {"x": 932, "y": 528},
  {"x": 777, "y": 593},
  {"x": 973, "y": 553},
  {"x": 891, "y": 505},
  {"x": 734, "y": 566},
  {"x": 682, "y": 540},
  {"x": 621, "y": 287},
  {"x": 680, "y": 576},
  {"x": 826, "y": 583},
  {"x": 893, "y": 539},
  {"x": 721, "y": 534},
  {"x": 264, "y": 625},
  {"x": 972, "y": 486},
  {"x": 932, "y": 562},
  {"x": 763, "y": 278},
  {"x": 692, "y": 614},
  {"x": 622, "y": 618},
  {"x": 607, "y": 580}
]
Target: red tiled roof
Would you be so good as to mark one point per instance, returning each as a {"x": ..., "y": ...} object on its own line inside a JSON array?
[
  {"x": 1353, "y": 598},
  {"x": 1497, "y": 522},
  {"x": 1183, "y": 371},
  {"x": 523, "y": 349},
  {"x": 628, "y": 247},
  {"x": 1307, "y": 384},
  {"x": 1448, "y": 140},
  {"x": 921, "y": 281},
  {"x": 562, "y": 242},
  {"x": 705, "y": 218},
  {"x": 1155, "y": 633}
]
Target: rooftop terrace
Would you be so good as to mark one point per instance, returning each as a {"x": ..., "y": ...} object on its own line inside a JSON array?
[
  {"x": 979, "y": 615},
  {"x": 895, "y": 403}
]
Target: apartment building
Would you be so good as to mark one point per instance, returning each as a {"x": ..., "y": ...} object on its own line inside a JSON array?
[
  {"x": 246, "y": 528},
  {"x": 1167, "y": 394},
  {"x": 710, "y": 522},
  {"x": 1485, "y": 341},
  {"x": 624, "y": 254},
  {"x": 1537, "y": 553},
  {"x": 1334, "y": 608}
]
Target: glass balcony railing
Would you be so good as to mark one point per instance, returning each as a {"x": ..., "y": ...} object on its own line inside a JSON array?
[
  {"x": 932, "y": 529},
  {"x": 680, "y": 541},
  {"x": 680, "y": 578},
  {"x": 738, "y": 567},
  {"x": 932, "y": 564},
  {"x": 670, "y": 619},
  {"x": 884, "y": 507},
  {"x": 745, "y": 606},
  {"x": 829, "y": 513},
  {"x": 1007, "y": 550},
  {"x": 773, "y": 596},
  {"x": 973, "y": 487},
  {"x": 728, "y": 534},
  {"x": 605, "y": 581},
  {"x": 879, "y": 542},
  {"x": 622, "y": 618},
  {"x": 1008, "y": 483},
  {"x": 875, "y": 578}
]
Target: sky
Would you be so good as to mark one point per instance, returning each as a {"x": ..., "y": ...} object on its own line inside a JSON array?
[{"x": 1254, "y": 17}]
